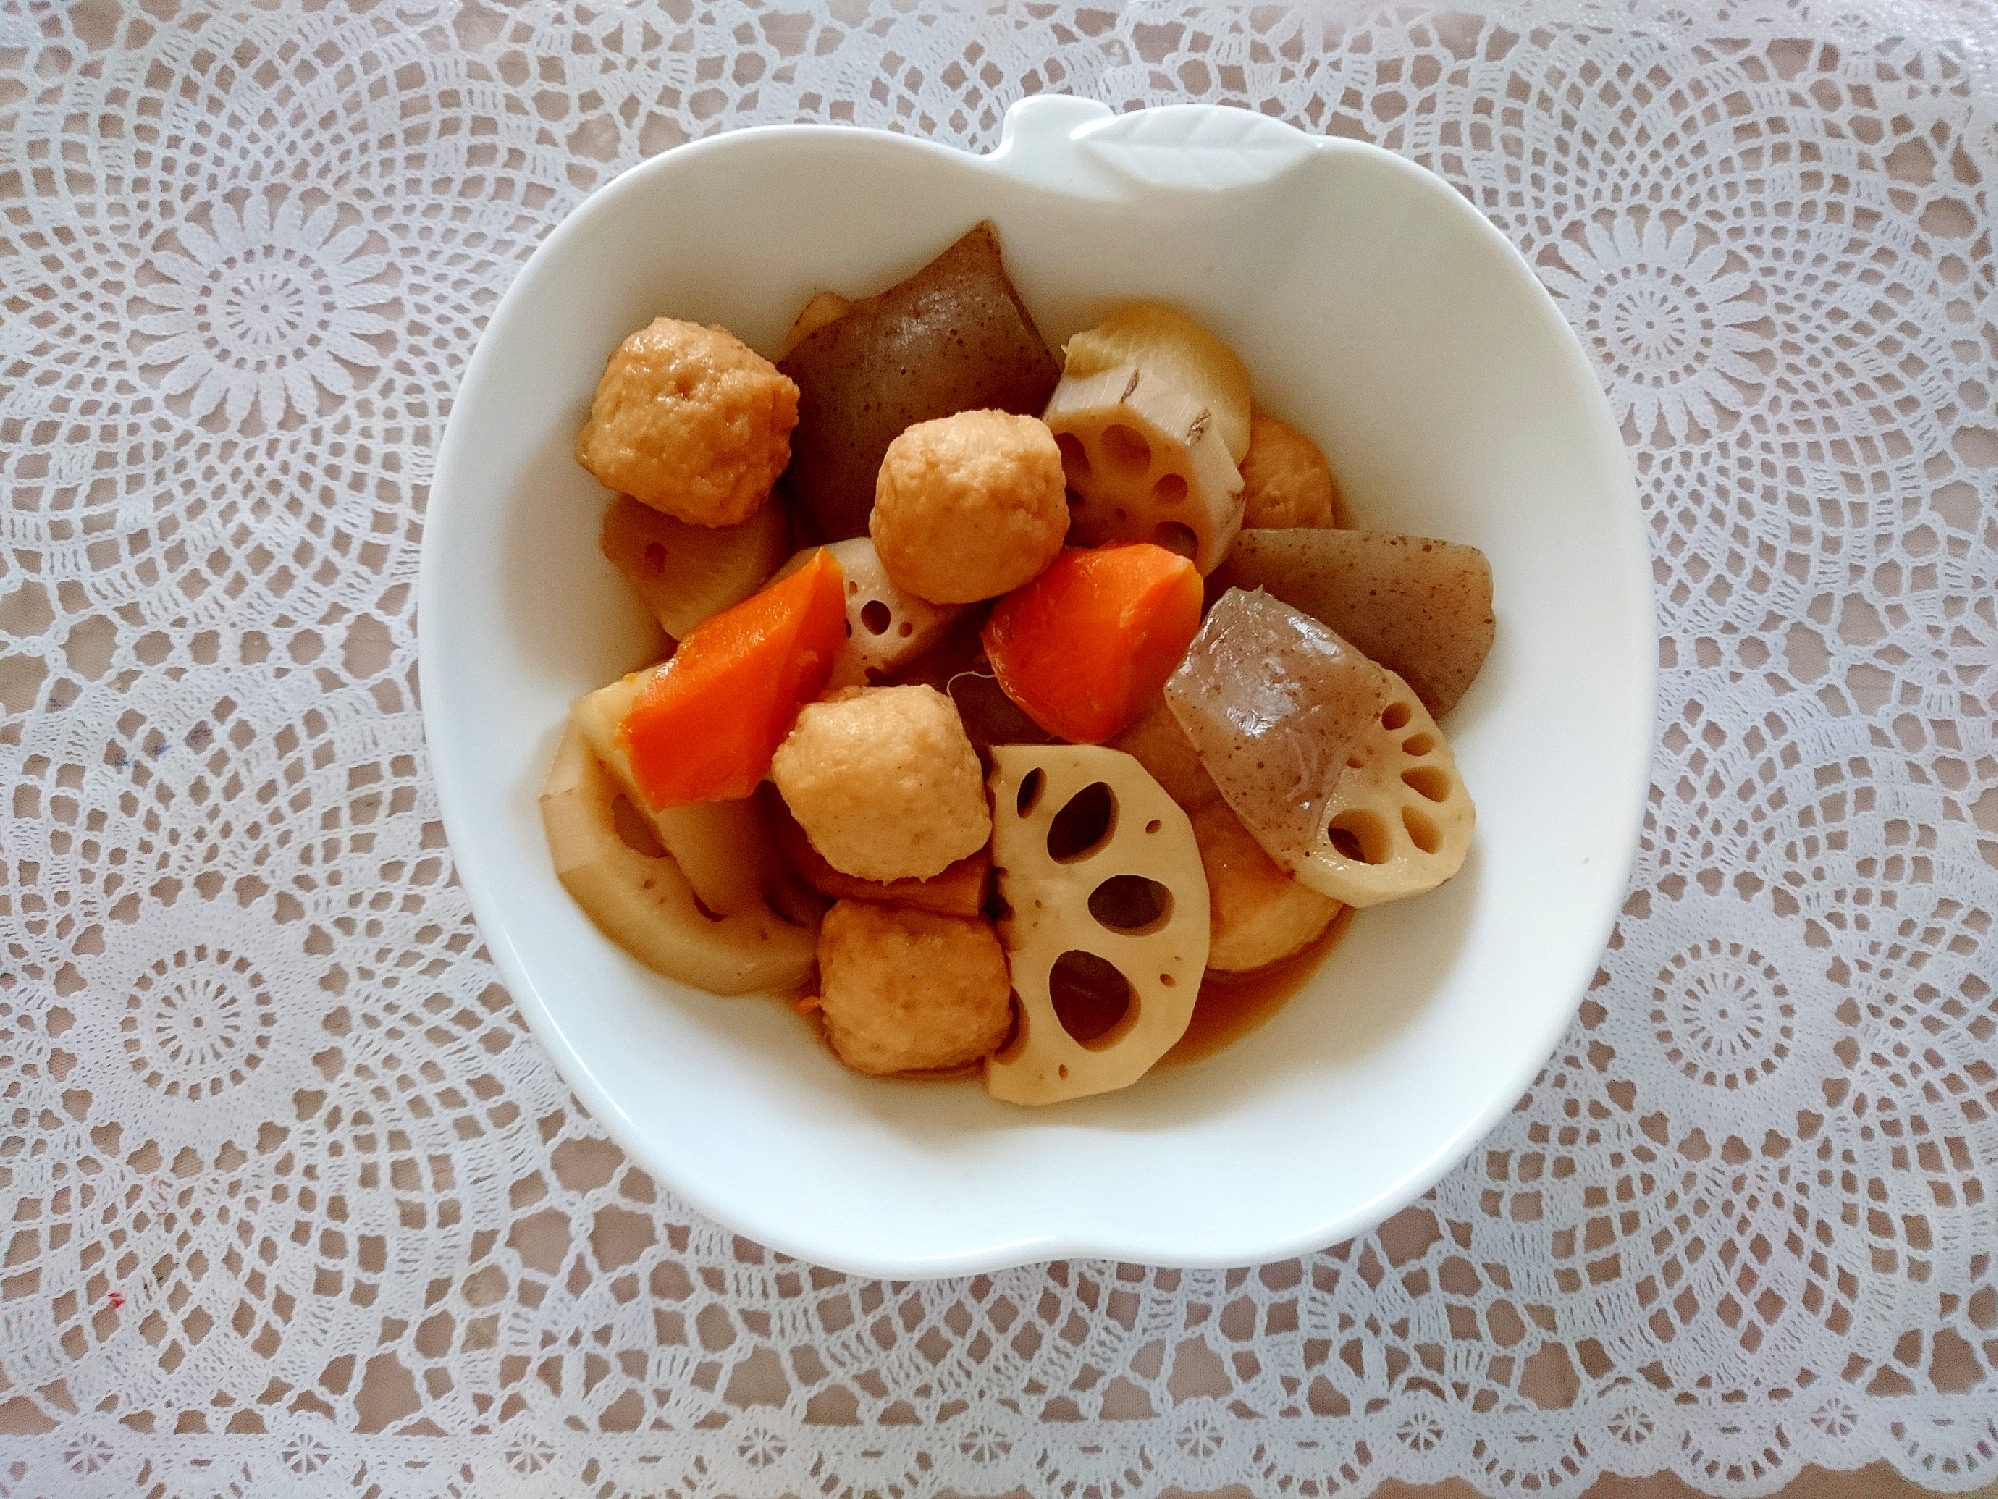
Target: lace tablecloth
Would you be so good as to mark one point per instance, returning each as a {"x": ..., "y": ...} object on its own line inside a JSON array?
[{"x": 292, "y": 1202}]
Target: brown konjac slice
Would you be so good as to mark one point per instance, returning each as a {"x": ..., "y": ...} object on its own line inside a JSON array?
[
  {"x": 1275, "y": 704},
  {"x": 1421, "y": 608},
  {"x": 953, "y": 337}
]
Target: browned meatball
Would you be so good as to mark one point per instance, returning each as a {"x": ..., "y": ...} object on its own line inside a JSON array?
[
  {"x": 1286, "y": 483},
  {"x": 970, "y": 506},
  {"x": 885, "y": 782},
  {"x": 911, "y": 991},
  {"x": 691, "y": 421}
]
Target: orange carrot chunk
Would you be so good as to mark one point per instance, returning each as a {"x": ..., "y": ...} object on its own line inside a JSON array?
[
  {"x": 1086, "y": 644},
  {"x": 707, "y": 724}
]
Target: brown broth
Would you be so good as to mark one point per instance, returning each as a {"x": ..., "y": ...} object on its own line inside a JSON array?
[{"x": 1232, "y": 1005}]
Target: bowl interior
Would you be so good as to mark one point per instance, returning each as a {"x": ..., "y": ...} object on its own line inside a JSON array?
[{"x": 1377, "y": 312}]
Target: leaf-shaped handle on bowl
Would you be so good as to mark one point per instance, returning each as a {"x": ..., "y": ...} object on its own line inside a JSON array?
[{"x": 1080, "y": 146}]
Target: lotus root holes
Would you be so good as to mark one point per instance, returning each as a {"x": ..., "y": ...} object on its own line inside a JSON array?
[
  {"x": 1074, "y": 458},
  {"x": 1422, "y": 831},
  {"x": 1125, "y": 448},
  {"x": 1131, "y": 905},
  {"x": 1428, "y": 782},
  {"x": 1092, "y": 999},
  {"x": 1362, "y": 836},
  {"x": 1084, "y": 825},
  {"x": 1029, "y": 795}
]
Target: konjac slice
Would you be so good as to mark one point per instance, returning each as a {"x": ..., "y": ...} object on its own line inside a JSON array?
[
  {"x": 1400, "y": 820},
  {"x": 1086, "y": 644},
  {"x": 705, "y": 725},
  {"x": 1421, "y": 608},
  {"x": 1275, "y": 704},
  {"x": 642, "y": 901},
  {"x": 953, "y": 337},
  {"x": 684, "y": 573}
]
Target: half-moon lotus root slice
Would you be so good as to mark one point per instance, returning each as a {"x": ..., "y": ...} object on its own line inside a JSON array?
[
  {"x": 683, "y": 572},
  {"x": 1399, "y": 821},
  {"x": 644, "y": 903},
  {"x": 1097, "y": 865},
  {"x": 886, "y": 628},
  {"x": 1146, "y": 441},
  {"x": 1174, "y": 347}
]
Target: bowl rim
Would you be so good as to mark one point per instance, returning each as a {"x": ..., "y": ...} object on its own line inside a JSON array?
[{"x": 1222, "y": 1245}]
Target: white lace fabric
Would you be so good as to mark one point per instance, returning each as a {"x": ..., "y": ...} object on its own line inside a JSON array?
[{"x": 291, "y": 1200}]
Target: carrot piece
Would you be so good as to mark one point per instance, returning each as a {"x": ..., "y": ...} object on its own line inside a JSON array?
[
  {"x": 708, "y": 722},
  {"x": 1086, "y": 644}
]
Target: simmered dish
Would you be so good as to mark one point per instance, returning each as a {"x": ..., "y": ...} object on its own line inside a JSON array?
[{"x": 1007, "y": 696}]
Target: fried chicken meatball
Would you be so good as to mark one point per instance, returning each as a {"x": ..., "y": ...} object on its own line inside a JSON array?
[
  {"x": 1286, "y": 483},
  {"x": 691, "y": 421},
  {"x": 885, "y": 782},
  {"x": 910, "y": 991},
  {"x": 970, "y": 506}
]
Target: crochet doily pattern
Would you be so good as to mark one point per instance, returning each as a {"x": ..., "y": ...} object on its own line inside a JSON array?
[{"x": 293, "y": 1202}]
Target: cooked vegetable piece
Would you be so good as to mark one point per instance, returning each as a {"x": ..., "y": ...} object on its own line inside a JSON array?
[
  {"x": 706, "y": 724},
  {"x": 958, "y": 891},
  {"x": 643, "y": 902},
  {"x": 1169, "y": 345},
  {"x": 1156, "y": 741},
  {"x": 1421, "y": 608},
  {"x": 910, "y": 991},
  {"x": 1083, "y": 646},
  {"x": 692, "y": 421},
  {"x": 1400, "y": 820},
  {"x": 1259, "y": 913},
  {"x": 884, "y": 782},
  {"x": 684, "y": 572},
  {"x": 1152, "y": 415},
  {"x": 953, "y": 337},
  {"x": 1275, "y": 704},
  {"x": 1104, "y": 891},
  {"x": 723, "y": 848},
  {"x": 1286, "y": 481},
  {"x": 885, "y": 627}
]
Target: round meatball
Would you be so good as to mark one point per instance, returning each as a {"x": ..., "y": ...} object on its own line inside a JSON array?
[
  {"x": 911, "y": 991},
  {"x": 1286, "y": 483},
  {"x": 691, "y": 421},
  {"x": 885, "y": 782},
  {"x": 970, "y": 506}
]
